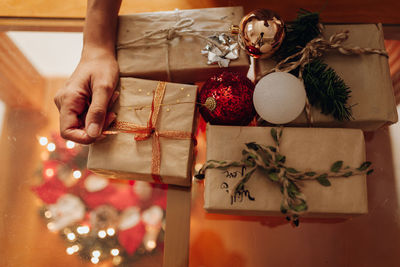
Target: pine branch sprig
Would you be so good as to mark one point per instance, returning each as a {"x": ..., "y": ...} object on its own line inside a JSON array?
[
  {"x": 326, "y": 90},
  {"x": 298, "y": 34}
]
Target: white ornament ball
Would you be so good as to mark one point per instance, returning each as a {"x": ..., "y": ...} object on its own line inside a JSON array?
[{"x": 279, "y": 97}]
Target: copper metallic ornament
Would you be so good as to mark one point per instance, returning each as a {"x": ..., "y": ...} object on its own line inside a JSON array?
[{"x": 261, "y": 33}]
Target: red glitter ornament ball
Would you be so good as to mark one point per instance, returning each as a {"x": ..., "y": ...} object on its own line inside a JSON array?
[{"x": 227, "y": 99}]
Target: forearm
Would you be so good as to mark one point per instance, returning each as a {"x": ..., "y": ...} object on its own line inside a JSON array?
[{"x": 100, "y": 28}]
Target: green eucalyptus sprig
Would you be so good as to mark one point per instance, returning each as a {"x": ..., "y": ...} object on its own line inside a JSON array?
[{"x": 269, "y": 161}]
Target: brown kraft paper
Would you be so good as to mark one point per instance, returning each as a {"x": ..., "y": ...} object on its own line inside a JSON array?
[
  {"x": 121, "y": 156},
  {"x": 305, "y": 149},
  {"x": 367, "y": 75},
  {"x": 186, "y": 63}
]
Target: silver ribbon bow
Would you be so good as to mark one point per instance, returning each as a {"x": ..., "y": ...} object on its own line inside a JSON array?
[{"x": 219, "y": 56}]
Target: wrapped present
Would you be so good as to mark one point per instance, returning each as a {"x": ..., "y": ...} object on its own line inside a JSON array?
[
  {"x": 168, "y": 45},
  {"x": 152, "y": 138},
  {"x": 308, "y": 150},
  {"x": 367, "y": 75}
]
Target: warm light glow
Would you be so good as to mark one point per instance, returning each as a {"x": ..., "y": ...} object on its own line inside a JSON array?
[
  {"x": 49, "y": 172},
  {"x": 94, "y": 260},
  {"x": 96, "y": 253},
  {"x": 198, "y": 166},
  {"x": 151, "y": 244},
  {"x": 117, "y": 260},
  {"x": 77, "y": 174},
  {"x": 75, "y": 247},
  {"x": 51, "y": 147},
  {"x": 115, "y": 252},
  {"x": 43, "y": 141},
  {"x": 110, "y": 231},
  {"x": 71, "y": 236},
  {"x": 47, "y": 214},
  {"x": 51, "y": 226},
  {"x": 70, "y": 144},
  {"x": 44, "y": 155},
  {"x": 102, "y": 234},
  {"x": 82, "y": 230},
  {"x": 70, "y": 250}
]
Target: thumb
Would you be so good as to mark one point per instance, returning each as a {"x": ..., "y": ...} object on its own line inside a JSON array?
[{"x": 97, "y": 111}]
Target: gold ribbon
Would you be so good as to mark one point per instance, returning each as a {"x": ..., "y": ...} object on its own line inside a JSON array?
[{"x": 142, "y": 133}]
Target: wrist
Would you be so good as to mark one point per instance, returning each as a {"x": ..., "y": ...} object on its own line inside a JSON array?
[{"x": 95, "y": 51}]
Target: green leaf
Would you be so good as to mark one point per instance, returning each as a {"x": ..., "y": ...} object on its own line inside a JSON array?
[
  {"x": 348, "y": 174},
  {"x": 310, "y": 173},
  {"x": 301, "y": 207},
  {"x": 247, "y": 176},
  {"x": 280, "y": 158},
  {"x": 249, "y": 163},
  {"x": 322, "y": 179},
  {"x": 370, "y": 171},
  {"x": 251, "y": 155},
  {"x": 273, "y": 149},
  {"x": 364, "y": 166},
  {"x": 265, "y": 156},
  {"x": 273, "y": 176},
  {"x": 253, "y": 146},
  {"x": 292, "y": 170},
  {"x": 236, "y": 164},
  {"x": 222, "y": 167},
  {"x": 240, "y": 187},
  {"x": 337, "y": 166},
  {"x": 274, "y": 135},
  {"x": 292, "y": 190}
]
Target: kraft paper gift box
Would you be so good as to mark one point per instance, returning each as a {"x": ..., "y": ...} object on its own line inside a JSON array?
[
  {"x": 182, "y": 54},
  {"x": 305, "y": 149},
  {"x": 120, "y": 155},
  {"x": 367, "y": 75}
]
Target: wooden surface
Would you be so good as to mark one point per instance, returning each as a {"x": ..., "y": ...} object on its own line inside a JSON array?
[
  {"x": 385, "y": 11},
  {"x": 19, "y": 78},
  {"x": 177, "y": 232}
]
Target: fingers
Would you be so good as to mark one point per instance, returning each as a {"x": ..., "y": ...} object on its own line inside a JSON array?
[
  {"x": 97, "y": 110},
  {"x": 109, "y": 119},
  {"x": 113, "y": 99},
  {"x": 71, "y": 128},
  {"x": 84, "y": 100}
]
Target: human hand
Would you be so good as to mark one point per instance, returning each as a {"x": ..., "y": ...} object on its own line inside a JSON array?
[{"x": 86, "y": 97}]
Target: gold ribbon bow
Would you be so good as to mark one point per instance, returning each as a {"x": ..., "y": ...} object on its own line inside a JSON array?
[{"x": 142, "y": 133}]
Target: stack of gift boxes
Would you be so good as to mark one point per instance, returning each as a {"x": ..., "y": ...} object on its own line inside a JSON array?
[{"x": 152, "y": 139}]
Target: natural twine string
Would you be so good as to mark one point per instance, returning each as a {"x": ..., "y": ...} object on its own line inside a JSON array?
[
  {"x": 315, "y": 49},
  {"x": 284, "y": 176},
  {"x": 164, "y": 36}
]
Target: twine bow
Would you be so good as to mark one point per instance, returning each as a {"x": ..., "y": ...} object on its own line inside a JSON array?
[
  {"x": 315, "y": 49},
  {"x": 165, "y": 35},
  {"x": 272, "y": 165},
  {"x": 142, "y": 133}
]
